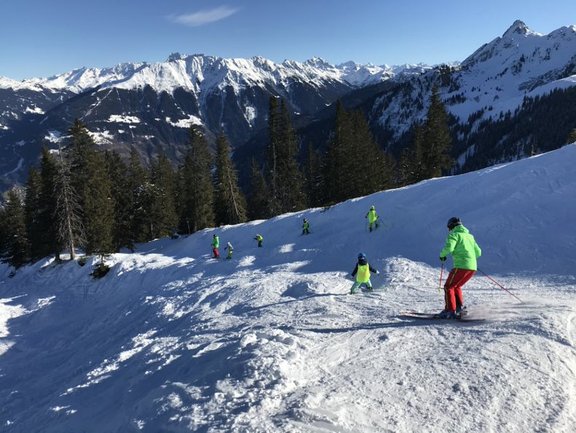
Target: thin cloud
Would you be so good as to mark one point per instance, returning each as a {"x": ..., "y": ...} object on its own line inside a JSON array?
[{"x": 201, "y": 18}]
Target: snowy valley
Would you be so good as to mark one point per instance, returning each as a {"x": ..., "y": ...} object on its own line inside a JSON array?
[{"x": 270, "y": 341}]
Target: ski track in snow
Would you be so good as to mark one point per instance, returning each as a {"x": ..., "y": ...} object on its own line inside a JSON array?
[{"x": 173, "y": 341}]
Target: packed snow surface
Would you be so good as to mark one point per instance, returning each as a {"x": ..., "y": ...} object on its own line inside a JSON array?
[{"x": 270, "y": 341}]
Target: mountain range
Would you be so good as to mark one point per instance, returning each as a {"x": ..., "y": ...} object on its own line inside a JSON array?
[{"x": 149, "y": 107}]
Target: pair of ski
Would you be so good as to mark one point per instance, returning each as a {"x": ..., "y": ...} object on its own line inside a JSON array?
[{"x": 410, "y": 314}]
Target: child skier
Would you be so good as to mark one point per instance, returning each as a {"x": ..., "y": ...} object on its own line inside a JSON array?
[
  {"x": 215, "y": 245},
  {"x": 362, "y": 274},
  {"x": 372, "y": 218},
  {"x": 230, "y": 249},
  {"x": 259, "y": 238},
  {"x": 305, "y": 227}
]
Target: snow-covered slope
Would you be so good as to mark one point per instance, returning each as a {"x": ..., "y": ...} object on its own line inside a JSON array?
[{"x": 173, "y": 341}]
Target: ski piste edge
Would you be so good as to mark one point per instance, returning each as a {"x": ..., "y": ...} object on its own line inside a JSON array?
[{"x": 434, "y": 317}]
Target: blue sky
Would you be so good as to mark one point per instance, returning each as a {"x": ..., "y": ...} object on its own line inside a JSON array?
[{"x": 40, "y": 38}]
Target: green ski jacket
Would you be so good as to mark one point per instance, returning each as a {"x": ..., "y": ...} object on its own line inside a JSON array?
[{"x": 463, "y": 247}]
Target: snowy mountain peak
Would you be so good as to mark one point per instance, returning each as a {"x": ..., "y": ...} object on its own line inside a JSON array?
[
  {"x": 175, "y": 56},
  {"x": 318, "y": 62},
  {"x": 518, "y": 28},
  {"x": 519, "y": 41},
  {"x": 182, "y": 70}
]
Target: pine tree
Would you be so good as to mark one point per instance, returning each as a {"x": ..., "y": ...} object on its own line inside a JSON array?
[
  {"x": 436, "y": 139},
  {"x": 291, "y": 192},
  {"x": 92, "y": 183},
  {"x": 135, "y": 211},
  {"x": 428, "y": 156},
  {"x": 273, "y": 157},
  {"x": 40, "y": 209},
  {"x": 258, "y": 200},
  {"x": 230, "y": 204},
  {"x": 32, "y": 212},
  {"x": 163, "y": 215},
  {"x": 99, "y": 209},
  {"x": 15, "y": 248},
  {"x": 354, "y": 164},
  {"x": 339, "y": 170},
  {"x": 123, "y": 198},
  {"x": 411, "y": 169},
  {"x": 283, "y": 175},
  {"x": 197, "y": 189},
  {"x": 68, "y": 215},
  {"x": 313, "y": 177},
  {"x": 373, "y": 168}
]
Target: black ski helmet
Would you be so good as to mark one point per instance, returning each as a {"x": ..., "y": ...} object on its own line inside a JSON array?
[
  {"x": 361, "y": 256},
  {"x": 453, "y": 222}
]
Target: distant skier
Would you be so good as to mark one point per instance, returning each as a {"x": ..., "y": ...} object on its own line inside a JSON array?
[
  {"x": 362, "y": 274},
  {"x": 372, "y": 216},
  {"x": 215, "y": 245},
  {"x": 259, "y": 239},
  {"x": 230, "y": 249},
  {"x": 305, "y": 227},
  {"x": 174, "y": 233},
  {"x": 464, "y": 249}
]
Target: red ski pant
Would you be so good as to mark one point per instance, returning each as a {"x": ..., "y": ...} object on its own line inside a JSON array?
[{"x": 453, "y": 288}]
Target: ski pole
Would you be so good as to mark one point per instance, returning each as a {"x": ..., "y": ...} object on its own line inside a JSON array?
[
  {"x": 441, "y": 273},
  {"x": 500, "y": 285}
]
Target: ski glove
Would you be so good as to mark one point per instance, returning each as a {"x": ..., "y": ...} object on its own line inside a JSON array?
[{"x": 442, "y": 259}]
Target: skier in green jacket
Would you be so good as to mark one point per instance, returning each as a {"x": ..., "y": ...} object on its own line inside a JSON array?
[
  {"x": 464, "y": 250},
  {"x": 259, "y": 239},
  {"x": 362, "y": 274},
  {"x": 215, "y": 246},
  {"x": 372, "y": 218},
  {"x": 305, "y": 227}
]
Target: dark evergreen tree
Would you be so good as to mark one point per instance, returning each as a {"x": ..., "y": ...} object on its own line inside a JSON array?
[
  {"x": 230, "y": 204},
  {"x": 411, "y": 169},
  {"x": 68, "y": 214},
  {"x": 32, "y": 213},
  {"x": 283, "y": 176},
  {"x": 313, "y": 177},
  {"x": 163, "y": 215},
  {"x": 374, "y": 168},
  {"x": 136, "y": 208},
  {"x": 196, "y": 186},
  {"x": 40, "y": 209},
  {"x": 258, "y": 200},
  {"x": 273, "y": 157},
  {"x": 437, "y": 141},
  {"x": 428, "y": 156},
  {"x": 15, "y": 248},
  {"x": 339, "y": 161},
  {"x": 123, "y": 198},
  {"x": 92, "y": 183},
  {"x": 354, "y": 164},
  {"x": 146, "y": 215},
  {"x": 291, "y": 183}
]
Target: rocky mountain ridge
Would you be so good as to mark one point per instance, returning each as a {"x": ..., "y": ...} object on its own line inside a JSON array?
[{"x": 151, "y": 106}]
